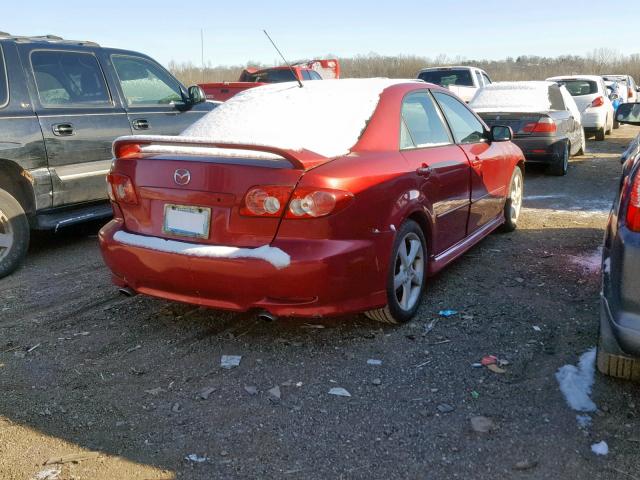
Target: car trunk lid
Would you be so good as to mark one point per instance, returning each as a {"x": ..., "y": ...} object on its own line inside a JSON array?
[
  {"x": 184, "y": 186},
  {"x": 520, "y": 123}
]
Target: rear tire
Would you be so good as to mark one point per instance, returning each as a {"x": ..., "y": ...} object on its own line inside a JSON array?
[
  {"x": 560, "y": 161},
  {"x": 14, "y": 234},
  {"x": 406, "y": 278},
  {"x": 616, "y": 125},
  {"x": 610, "y": 360},
  {"x": 513, "y": 204},
  {"x": 600, "y": 135}
]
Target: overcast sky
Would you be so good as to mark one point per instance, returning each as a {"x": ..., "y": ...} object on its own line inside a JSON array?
[{"x": 233, "y": 29}]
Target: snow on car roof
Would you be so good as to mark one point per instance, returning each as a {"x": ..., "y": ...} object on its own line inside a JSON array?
[
  {"x": 326, "y": 117},
  {"x": 513, "y": 97}
]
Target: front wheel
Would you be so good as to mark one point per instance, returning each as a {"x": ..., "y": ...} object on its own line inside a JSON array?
[
  {"x": 513, "y": 204},
  {"x": 407, "y": 276},
  {"x": 14, "y": 234}
]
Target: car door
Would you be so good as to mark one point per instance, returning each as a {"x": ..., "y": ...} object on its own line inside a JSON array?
[
  {"x": 154, "y": 100},
  {"x": 79, "y": 118},
  {"x": 442, "y": 170},
  {"x": 489, "y": 169}
]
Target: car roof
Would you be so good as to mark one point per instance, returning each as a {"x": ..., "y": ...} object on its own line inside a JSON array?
[
  {"x": 594, "y": 78},
  {"x": 49, "y": 39},
  {"x": 452, "y": 67}
]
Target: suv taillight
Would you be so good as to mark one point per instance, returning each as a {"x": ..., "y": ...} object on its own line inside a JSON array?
[
  {"x": 597, "y": 102},
  {"x": 121, "y": 189},
  {"x": 633, "y": 209},
  {"x": 543, "y": 125}
]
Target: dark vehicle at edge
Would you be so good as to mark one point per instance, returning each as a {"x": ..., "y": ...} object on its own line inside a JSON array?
[
  {"x": 62, "y": 103},
  {"x": 619, "y": 337},
  {"x": 548, "y": 137}
]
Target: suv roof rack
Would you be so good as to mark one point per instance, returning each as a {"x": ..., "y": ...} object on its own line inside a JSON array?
[{"x": 46, "y": 38}]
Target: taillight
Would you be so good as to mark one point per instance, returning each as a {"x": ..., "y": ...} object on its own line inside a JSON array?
[
  {"x": 317, "y": 202},
  {"x": 633, "y": 210},
  {"x": 597, "y": 102},
  {"x": 126, "y": 150},
  {"x": 121, "y": 189},
  {"x": 265, "y": 201},
  {"x": 543, "y": 125}
]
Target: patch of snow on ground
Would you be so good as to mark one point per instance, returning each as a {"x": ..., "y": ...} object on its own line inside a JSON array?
[
  {"x": 600, "y": 448},
  {"x": 325, "y": 117},
  {"x": 584, "y": 421},
  {"x": 590, "y": 262},
  {"x": 576, "y": 382},
  {"x": 273, "y": 255},
  {"x": 513, "y": 97}
]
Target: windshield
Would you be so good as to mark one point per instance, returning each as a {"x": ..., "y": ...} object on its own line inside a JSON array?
[
  {"x": 272, "y": 76},
  {"x": 447, "y": 77},
  {"x": 579, "y": 87}
]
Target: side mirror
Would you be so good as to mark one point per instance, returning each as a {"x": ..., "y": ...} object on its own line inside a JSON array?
[
  {"x": 628, "y": 113},
  {"x": 500, "y": 133},
  {"x": 196, "y": 95}
]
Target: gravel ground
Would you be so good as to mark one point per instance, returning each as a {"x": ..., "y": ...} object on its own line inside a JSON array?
[{"x": 138, "y": 380}]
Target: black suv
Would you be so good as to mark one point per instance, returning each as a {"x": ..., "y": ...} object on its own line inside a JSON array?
[{"x": 62, "y": 103}]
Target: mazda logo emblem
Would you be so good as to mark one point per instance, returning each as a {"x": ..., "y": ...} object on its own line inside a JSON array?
[{"x": 182, "y": 176}]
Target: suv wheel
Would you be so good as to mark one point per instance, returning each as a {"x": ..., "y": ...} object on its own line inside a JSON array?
[
  {"x": 14, "y": 234},
  {"x": 407, "y": 276}
]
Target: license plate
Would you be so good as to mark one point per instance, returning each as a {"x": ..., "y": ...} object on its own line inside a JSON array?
[{"x": 186, "y": 221}]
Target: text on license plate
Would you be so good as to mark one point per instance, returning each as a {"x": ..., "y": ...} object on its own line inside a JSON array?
[{"x": 186, "y": 221}]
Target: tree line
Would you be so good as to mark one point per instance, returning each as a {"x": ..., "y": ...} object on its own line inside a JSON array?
[{"x": 525, "y": 67}]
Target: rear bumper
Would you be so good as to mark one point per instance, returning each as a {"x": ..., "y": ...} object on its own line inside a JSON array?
[
  {"x": 592, "y": 121},
  {"x": 537, "y": 149},
  {"x": 323, "y": 277},
  {"x": 621, "y": 289}
]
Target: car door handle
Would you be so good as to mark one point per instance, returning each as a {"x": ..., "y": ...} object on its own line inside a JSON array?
[
  {"x": 424, "y": 171},
  {"x": 62, "y": 129},
  {"x": 140, "y": 124},
  {"x": 476, "y": 162}
]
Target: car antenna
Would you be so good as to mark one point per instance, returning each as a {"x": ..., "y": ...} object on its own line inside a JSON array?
[{"x": 285, "y": 60}]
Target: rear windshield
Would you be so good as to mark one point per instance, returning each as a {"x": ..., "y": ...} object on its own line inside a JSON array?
[
  {"x": 579, "y": 87},
  {"x": 272, "y": 76},
  {"x": 445, "y": 78}
]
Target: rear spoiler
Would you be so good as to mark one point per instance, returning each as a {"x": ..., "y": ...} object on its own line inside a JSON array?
[{"x": 131, "y": 146}]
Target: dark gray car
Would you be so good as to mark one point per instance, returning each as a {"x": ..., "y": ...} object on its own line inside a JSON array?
[
  {"x": 543, "y": 116},
  {"x": 619, "y": 342},
  {"x": 62, "y": 103}
]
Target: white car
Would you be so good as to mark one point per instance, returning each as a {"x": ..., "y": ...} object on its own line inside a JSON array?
[
  {"x": 632, "y": 88},
  {"x": 592, "y": 98},
  {"x": 463, "y": 81}
]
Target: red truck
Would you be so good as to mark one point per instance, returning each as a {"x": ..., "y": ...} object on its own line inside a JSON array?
[{"x": 253, "y": 77}]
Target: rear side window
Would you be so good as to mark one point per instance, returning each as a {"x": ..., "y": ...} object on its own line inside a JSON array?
[
  {"x": 305, "y": 75},
  {"x": 144, "y": 83},
  {"x": 555, "y": 98},
  {"x": 314, "y": 75},
  {"x": 579, "y": 87},
  {"x": 479, "y": 77},
  {"x": 487, "y": 80},
  {"x": 448, "y": 77},
  {"x": 422, "y": 125},
  {"x": 4, "y": 84},
  {"x": 465, "y": 126},
  {"x": 65, "y": 79}
]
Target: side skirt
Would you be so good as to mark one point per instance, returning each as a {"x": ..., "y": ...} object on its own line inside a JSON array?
[{"x": 438, "y": 262}]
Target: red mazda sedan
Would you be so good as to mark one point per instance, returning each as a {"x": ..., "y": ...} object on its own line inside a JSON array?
[{"x": 335, "y": 197}]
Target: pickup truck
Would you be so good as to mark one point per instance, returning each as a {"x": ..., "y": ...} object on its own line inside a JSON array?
[
  {"x": 463, "y": 81},
  {"x": 253, "y": 77},
  {"x": 62, "y": 103}
]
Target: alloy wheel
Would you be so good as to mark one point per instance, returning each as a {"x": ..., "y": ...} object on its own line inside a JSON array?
[
  {"x": 516, "y": 197},
  {"x": 409, "y": 271},
  {"x": 6, "y": 235}
]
